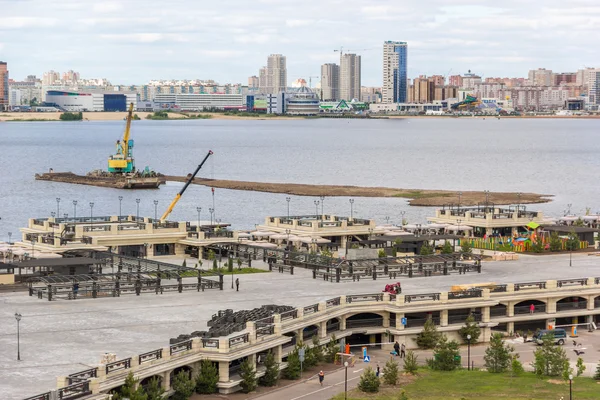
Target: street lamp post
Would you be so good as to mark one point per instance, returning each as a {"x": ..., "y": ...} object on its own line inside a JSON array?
[
  {"x": 322, "y": 205},
  {"x": 317, "y": 202},
  {"x": 468, "y": 352},
  {"x": 120, "y": 201},
  {"x": 346, "y": 380},
  {"x": 32, "y": 247},
  {"x": 570, "y": 387},
  {"x": 199, "y": 209},
  {"x": 518, "y": 203},
  {"x": 9, "y": 235},
  {"x": 288, "y": 199},
  {"x": 351, "y": 209},
  {"x": 137, "y": 213},
  {"x": 58, "y": 206},
  {"x": 146, "y": 250},
  {"x": 18, "y": 318},
  {"x": 155, "y": 210},
  {"x": 91, "y": 214},
  {"x": 211, "y": 211},
  {"x": 53, "y": 214},
  {"x": 74, "y": 208}
]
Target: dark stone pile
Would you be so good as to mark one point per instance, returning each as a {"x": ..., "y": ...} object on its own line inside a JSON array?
[{"x": 226, "y": 322}]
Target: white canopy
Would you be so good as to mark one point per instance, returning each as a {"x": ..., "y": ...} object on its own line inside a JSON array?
[
  {"x": 459, "y": 228},
  {"x": 262, "y": 233},
  {"x": 388, "y": 227},
  {"x": 264, "y": 244},
  {"x": 397, "y": 233},
  {"x": 317, "y": 239},
  {"x": 244, "y": 235},
  {"x": 591, "y": 217},
  {"x": 568, "y": 218},
  {"x": 410, "y": 226},
  {"x": 435, "y": 226}
]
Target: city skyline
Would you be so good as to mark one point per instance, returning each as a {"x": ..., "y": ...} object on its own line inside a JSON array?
[{"x": 233, "y": 39}]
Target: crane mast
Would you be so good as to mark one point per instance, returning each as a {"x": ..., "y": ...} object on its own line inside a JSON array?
[{"x": 122, "y": 161}]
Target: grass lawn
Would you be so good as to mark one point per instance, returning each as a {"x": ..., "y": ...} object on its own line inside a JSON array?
[
  {"x": 434, "y": 385},
  {"x": 224, "y": 271}
]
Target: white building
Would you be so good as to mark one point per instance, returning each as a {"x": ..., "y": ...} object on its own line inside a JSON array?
[
  {"x": 301, "y": 102},
  {"x": 75, "y": 101},
  {"x": 200, "y": 101},
  {"x": 350, "y": 81},
  {"x": 593, "y": 84},
  {"x": 14, "y": 97},
  {"x": 540, "y": 77},
  {"x": 330, "y": 82},
  {"x": 276, "y": 74},
  {"x": 395, "y": 72}
]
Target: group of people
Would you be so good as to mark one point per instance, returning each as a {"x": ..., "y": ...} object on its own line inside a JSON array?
[{"x": 399, "y": 350}]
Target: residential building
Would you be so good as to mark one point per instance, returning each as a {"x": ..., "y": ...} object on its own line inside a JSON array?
[
  {"x": 540, "y": 77},
  {"x": 50, "y": 78},
  {"x": 564, "y": 78},
  {"x": 395, "y": 72},
  {"x": 14, "y": 98},
  {"x": 424, "y": 90},
  {"x": 370, "y": 94},
  {"x": 71, "y": 77},
  {"x": 469, "y": 80},
  {"x": 330, "y": 82},
  {"x": 3, "y": 85},
  {"x": 276, "y": 74},
  {"x": 438, "y": 80},
  {"x": 350, "y": 82},
  {"x": 262, "y": 80},
  {"x": 594, "y": 88},
  {"x": 253, "y": 82},
  {"x": 455, "y": 80}
]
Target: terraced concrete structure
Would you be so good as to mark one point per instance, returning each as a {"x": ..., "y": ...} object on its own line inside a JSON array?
[{"x": 379, "y": 318}]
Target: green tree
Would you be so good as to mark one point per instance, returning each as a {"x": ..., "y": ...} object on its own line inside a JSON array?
[
  {"x": 369, "y": 382},
  {"x": 572, "y": 242},
  {"x": 597, "y": 373},
  {"x": 390, "y": 372},
  {"x": 410, "y": 362},
  {"x": 331, "y": 349},
  {"x": 271, "y": 375},
  {"x": 128, "y": 390},
  {"x": 447, "y": 248},
  {"x": 446, "y": 355},
  {"x": 397, "y": 244},
  {"x": 579, "y": 222},
  {"x": 230, "y": 265},
  {"x": 239, "y": 263},
  {"x": 211, "y": 254},
  {"x": 516, "y": 367},
  {"x": 426, "y": 249},
  {"x": 465, "y": 247},
  {"x": 183, "y": 385},
  {"x": 498, "y": 354},
  {"x": 207, "y": 379},
  {"x": 580, "y": 366},
  {"x": 309, "y": 358},
  {"x": 381, "y": 253},
  {"x": 317, "y": 350},
  {"x": 184, "y": 264},
  {"x": 215, "y": 265},
  {"x": 248, "y": 375},
  {"x": 470, "y": 328},
  {"x": 292, "y": 371},
  {"x": 537, "y": 246},
  {"x": 155, "y": 390},
  {"x": 549, "y": 358},
  {"x": 554, "y": 243},
  {"x": 68, "y": 116},
  {"x": 429, "y": 336}
]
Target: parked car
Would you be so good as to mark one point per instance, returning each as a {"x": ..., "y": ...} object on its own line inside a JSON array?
[{"x": 559, "y": 336}]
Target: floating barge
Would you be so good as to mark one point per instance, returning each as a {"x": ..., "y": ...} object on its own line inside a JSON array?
[{"x": 116, "y": 182}]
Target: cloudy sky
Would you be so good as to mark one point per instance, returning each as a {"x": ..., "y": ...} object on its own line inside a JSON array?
[{"x": 133, "y": 41}]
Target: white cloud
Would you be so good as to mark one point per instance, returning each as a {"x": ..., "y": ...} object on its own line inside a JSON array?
[
  {"x": 107, "y": 7},
  {"x": 26, "y": 22}
]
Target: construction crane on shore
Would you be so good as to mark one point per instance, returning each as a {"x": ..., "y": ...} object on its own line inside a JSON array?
[
  {"x": 122, "y": 162},
  {"x": 310, "y": 80},
  {"x": 341, "y": 50},
  {"x": 187, "y": 183}
]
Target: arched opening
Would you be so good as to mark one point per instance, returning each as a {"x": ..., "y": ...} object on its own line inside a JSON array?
[
  {"x": 597, "y": 302},
  {"x": 308, "y": 332},
  {"x": 185, "y": 369},
  {"x": 333, "y": 325},
  {"x": 235, "y": 366},
  {"x": 460, "y": 316},
  {"x": 499, "y": 310},
  {"x": 145, "y": 383},
  {"x": 414, "y": 320},
  {"x": 529, "y": 327},
  {"x": 525, "y": 307},
  {"x": 287, "y": 347},
  {"x": 571, "y": 303},
  {"x": 363, "y": 320}
]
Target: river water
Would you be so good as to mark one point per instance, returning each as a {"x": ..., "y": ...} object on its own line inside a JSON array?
[{"x": 558, "y": 157}]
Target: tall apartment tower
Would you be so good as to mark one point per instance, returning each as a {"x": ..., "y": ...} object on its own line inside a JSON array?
[
  {"x": 350, "y": 77},
  {"x": 330, "y": 82},
  {"x": 540, "y": 77},
  {"x": 395, "y": 72},
  {"x": 276, "y": 74},
  {"x": 253, "y": 82},
  {"x": 262, "y": 80},
  {"x": 3, "y": 86}
]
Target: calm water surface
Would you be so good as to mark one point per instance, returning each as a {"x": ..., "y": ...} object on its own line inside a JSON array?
[{"x": 557, "y": 157}]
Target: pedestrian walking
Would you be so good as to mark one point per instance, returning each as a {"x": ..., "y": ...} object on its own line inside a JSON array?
[
  {"x": 237, "y": 284},
  {"x": 377, "y": 371},
  {"x": 531, "y": 309},
  {"x": 403, "y": 351},
  {"x": 321, "y": 377},
  {"x": 397, "y": 348}
]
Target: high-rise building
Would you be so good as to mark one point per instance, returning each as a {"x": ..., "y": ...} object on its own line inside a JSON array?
[
  {"x": 50, "y": 78},
  {"x": 395, "y": 72},
  {"x": 3, "y": 85},
  {"x": 350, "y": 77},
  {"x": 564, "y": 78},
  {"x": 540, "y": 77},
  {"x": 262, "y": 80},
  {"x": 455, "y": 80},
  {"x": 593, "y": 85},
  {"x": 276, "y": 74},
  {"x": 253, "y": 81},
  {"x": 330, "y": 82},
  {"x": 469, "y": 80}
]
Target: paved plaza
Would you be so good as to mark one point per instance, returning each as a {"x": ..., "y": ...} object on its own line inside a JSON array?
[{"x": 62, "y": 337}]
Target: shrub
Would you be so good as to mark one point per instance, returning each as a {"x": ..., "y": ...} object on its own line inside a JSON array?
[
  {"x": 155, "y": 390},
  {"x": 597, "y": 373},
  {"x": 426, "y": 249},
  {"x": 248, "y": 375},
  {"x": 207, "y": 379},
  {"x": 470, "y": 328},
  {"x": 572, "y": 242},
  {"x": 68, "y": 116},
  {"x": 316, "y": 350},
  {"x": 580, "y": 366},
  {"x": 429, "y": 336},
  {"x": 447, "y": 248},
  {"x": 550, "y": 359},
  {"x": 410, "y": 362},
  {"x": 331, "y": 349},
  {"x": 369, "y": 382},
  {"x": 271, "y": 375},
  {"x": 390, "y": 372},
  {"x": 498, "y": 354},
  {"x": 554, "y": 243},
  {"x": 465, "y": 246},
  {"x": 446, "y": 355},
  {"x": 183, "y": 385},
  {"x": 292, "y": 371},
  {"x": 538, "y": 245},
  {"x": 516, "y": 367}
]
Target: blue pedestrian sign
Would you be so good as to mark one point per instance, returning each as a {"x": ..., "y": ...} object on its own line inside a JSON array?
[
  {"x": 403, "y": 320},
  {"x": 367, "y": 358}
]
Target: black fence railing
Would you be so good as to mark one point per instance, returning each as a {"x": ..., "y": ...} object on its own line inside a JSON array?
[
  {"x": 363, "y": 323},
  {"x": 150, "y": 356},
  {"x": 180, "y": 347},
  {"x": 574, "y": 305},
  {"x": 409, "y": 298},
  {"x": 82, "y": 376},
  {"x": 465, "y": 294},
  {"x": 530, "y": 285},
  {"x": 118, "y": 365},
  {"x": 537, "y": 308}
]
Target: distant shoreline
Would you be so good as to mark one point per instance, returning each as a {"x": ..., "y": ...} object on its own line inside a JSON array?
[{"x": 119, "y": 116}]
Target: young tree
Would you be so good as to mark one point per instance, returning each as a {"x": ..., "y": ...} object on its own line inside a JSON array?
[
  {"x": 128, "y": 390},
  {"x": 239, "y": 263},
  {"x": 580, "y": 366},
  {"x": 447, "y": 249},
  {"x": 572, "y": 242},
  {"x": 471, "y": 328},
  {"x": 207, "y": 379},
  {"x": 538, "y": 245},
  {"x": 183, "y": 385},
  {"x": 429, "y": 336},
  {"x": 549, "y": 358},
  {"x": 317, "y": 350},
  {"x": 554, "y": 243},
  {"x": 390, "y": 372},
  {"x": 248, "y": 375},
  {"x": 230, "y": 265},
  {"x": 465, "y": 247},
  {"x": 331, "y": 349},
  {"x": 215, "y": 266},
  {"x": 446, "y": 355},
  {"x": 211, "y": 254},
  {"x": 516, "y": 367},
  {"x": 410, "y": 362},
  {"x": 292, "y": 371},
  {"x": 369, "y": 382},
  {"x": 597, "y": 373},
  {"x": 184, "y": 263},
  {"x": 309, "y": 358},
  {"x": 271, "y": 375},
  {"x": 397, "y": 244},
  {"x": 155, "y": 390},
  {"x": 498, "y": 354},
  {"x": 426, "y": 249},
  {"x": 381, "y": 253}
]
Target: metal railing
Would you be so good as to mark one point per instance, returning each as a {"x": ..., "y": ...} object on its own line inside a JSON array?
[
  {"x": 571, "y": 282},
  {"x": 530, "y": 285},
  {"x": 96, "y": 228},
  {"x": 118, "y": 365},
  {"x": 240, "y": 339},
  {"x": 575, "y": 305},
  {"x": 498, "y": 289},
  {"x": 459, "y": 319},
  {"x": 465, "y": 294},
  {"x": 82, "y": 376},
  {"x": 180, "y": 347},
  {"x": 74, "y": 391},
  {"x": 538, "y": 308},
  {"x": 364, "y": 297},
  {"x": 131, "y": 227},
  {"x": 311, "y": 309},
  {"x": 210, "y": 343},
  {"x": 292, "y": 314},
  {"x": 498, "y": 312},
  {"x": 417, "y": 322},
  {"x": 332, "y": 302},
  {"x": 363, "y": 323},
  {"x": 409, "y": 298},
  {"x": 265, "y": 330},
  {"x": 150, "y": 356},
  {"x": 43, "y": 396}
]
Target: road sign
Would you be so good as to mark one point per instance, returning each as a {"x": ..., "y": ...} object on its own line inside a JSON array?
[
  {"x": 301, "y": 354},
  {"x": 403, "y": 321},
  {"x": 367, "y": 358}
]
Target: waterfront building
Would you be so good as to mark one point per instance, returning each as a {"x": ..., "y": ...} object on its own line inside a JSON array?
[
  {"x": 330, "y": 82},
  {"x": 3, "y": 86},
  {"x": 593, "y": 85},
  {"x": 350, "y": 77},
  {"x": 395, "y": 72},
  {"x": 91, "y": 100},
  {"x": 370, "y": 94},
  {"x": 302, "y": 101},
  {"x": 200, "y": 101},
  {"x": 14, "y": 98},
  {"x": 540, "y": 77},
  {"x": 276, "y": 74},
  {"x": 262, "y": 80}
]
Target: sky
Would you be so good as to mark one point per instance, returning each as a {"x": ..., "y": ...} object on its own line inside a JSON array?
[{"x": 134, "y": 41}]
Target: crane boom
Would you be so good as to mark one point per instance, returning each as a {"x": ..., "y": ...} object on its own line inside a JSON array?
[
  {"x": 127, "y": 130},
  {"x": 187, "y": 183}
]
